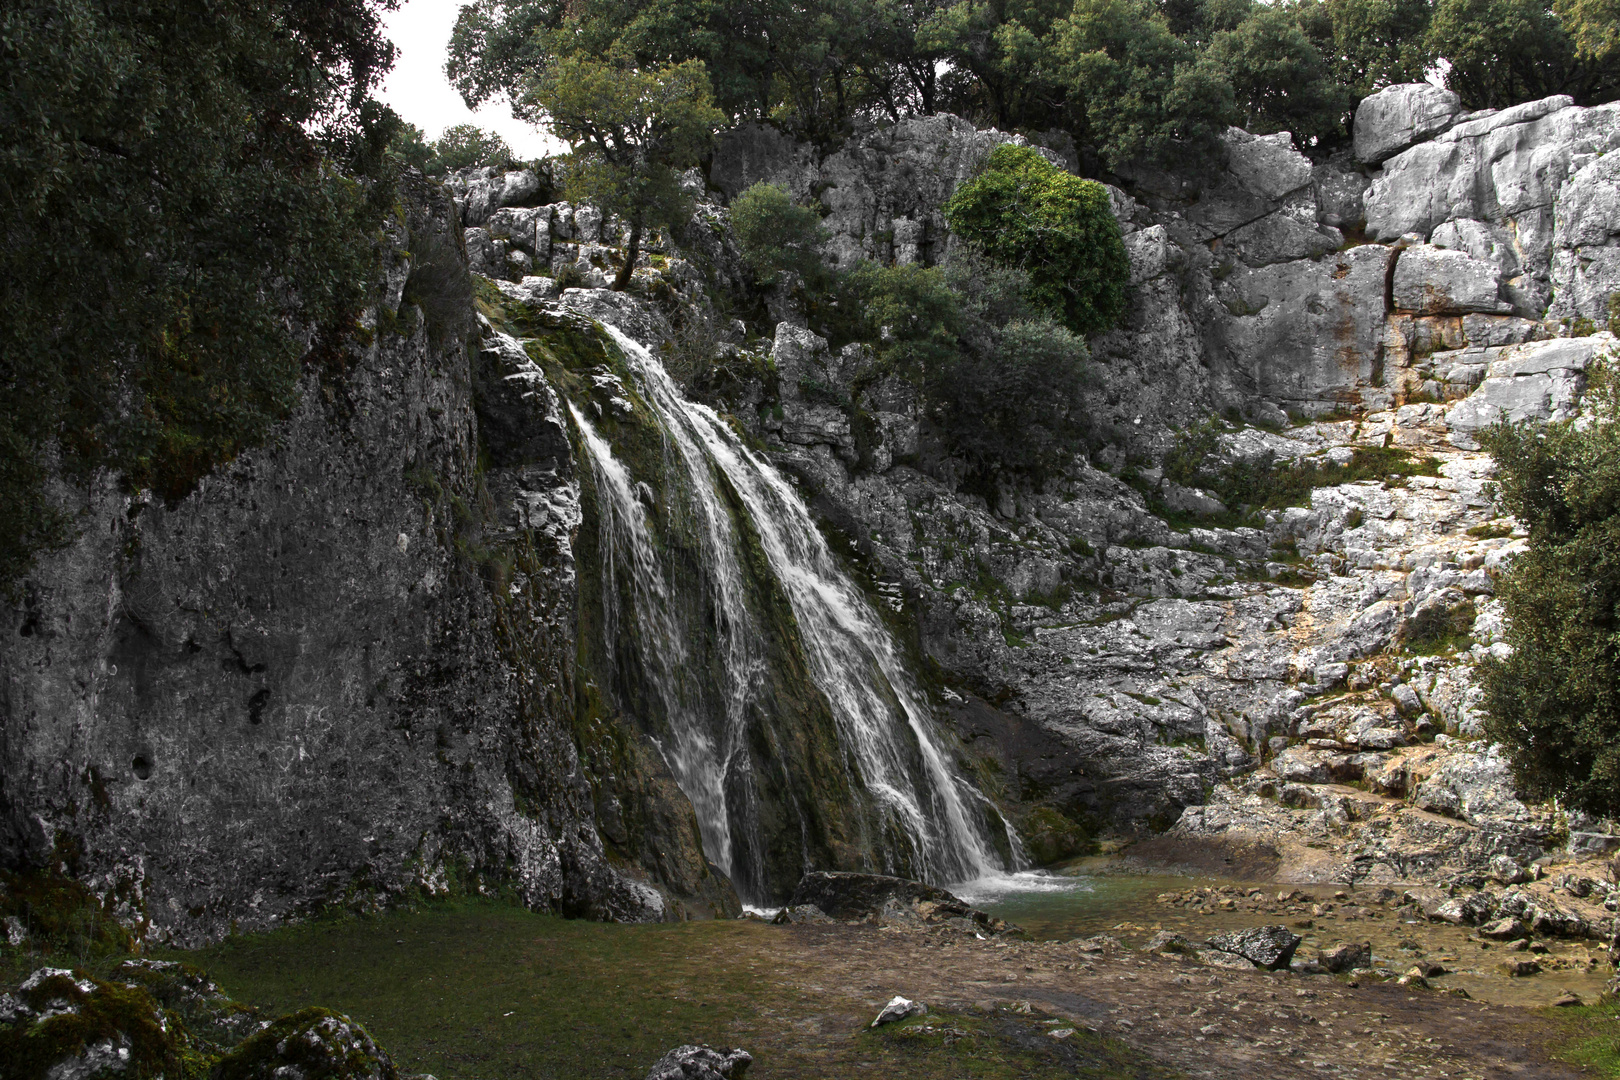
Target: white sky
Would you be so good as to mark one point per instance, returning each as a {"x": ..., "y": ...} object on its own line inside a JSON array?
[{"x": 419, "y": 92}]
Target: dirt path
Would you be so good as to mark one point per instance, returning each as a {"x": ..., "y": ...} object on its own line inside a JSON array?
[{"x": 1196, "y": 1020}]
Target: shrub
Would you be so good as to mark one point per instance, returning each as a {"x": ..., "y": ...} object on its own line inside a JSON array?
[
  {"x": 1554, "y": 702},
  {"x": 1059, "y": 229},
  {"x": 777, "y": 235}
]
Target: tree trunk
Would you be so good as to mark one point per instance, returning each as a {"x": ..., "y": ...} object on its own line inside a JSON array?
[{"x": 631, "y": 251}]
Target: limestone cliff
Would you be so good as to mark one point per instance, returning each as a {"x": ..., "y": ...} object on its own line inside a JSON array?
[{"x": 338, "y": 672}]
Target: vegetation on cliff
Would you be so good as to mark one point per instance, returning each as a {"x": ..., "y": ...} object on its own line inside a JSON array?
[
  {"x": 179, "y": 190},
  {"x": 1129, "y": 78},
  {"x": 1554, "y": 700}
]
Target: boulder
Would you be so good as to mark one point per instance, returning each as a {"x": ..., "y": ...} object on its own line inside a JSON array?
[
  {"x": 1520, "y": 968},
  {"x": 1586, "y": 242},
  {"x": 1270, "y": 947},
  {"x": 1431, "y": 280},
  {"x": 65, "y": 1025},
  {"x": 898, "y": 1009},
  {"x": 803, "y": 913},
  {"x": 859, "y": 896},
  {"x": 1400, "y": 116},
  {"x": 1346, "y": 956},
  {"x": 313, "y": 1042},
  {"x": 1504, "y": 930},
  {"x": 1267, "y": 165},
  {"x": 701, "y": 1063}
]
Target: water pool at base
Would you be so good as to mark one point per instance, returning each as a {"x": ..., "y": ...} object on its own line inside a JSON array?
[{"x": 1097, "y": 896}]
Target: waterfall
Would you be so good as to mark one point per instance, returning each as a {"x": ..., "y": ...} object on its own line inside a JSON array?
[{"x": 700, "y": 637}]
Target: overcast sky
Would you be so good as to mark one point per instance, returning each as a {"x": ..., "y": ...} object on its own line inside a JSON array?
[{"x": 418, "y": 90}]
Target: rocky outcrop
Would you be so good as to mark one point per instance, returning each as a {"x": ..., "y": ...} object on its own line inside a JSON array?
[{"x": 339, "y": 671}]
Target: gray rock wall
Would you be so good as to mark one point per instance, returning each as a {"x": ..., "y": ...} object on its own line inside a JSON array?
[{"x": 337, "y": 672}]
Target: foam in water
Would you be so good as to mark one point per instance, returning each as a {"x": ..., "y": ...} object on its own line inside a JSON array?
[{"x": 883, "y": 723}]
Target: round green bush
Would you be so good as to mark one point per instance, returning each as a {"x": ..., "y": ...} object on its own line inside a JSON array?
[{"x": 1026, "y": 212}]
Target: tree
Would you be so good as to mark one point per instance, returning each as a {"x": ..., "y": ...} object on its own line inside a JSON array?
[
  {"x": 1594, "y": 25},
  {"x": 1143, "y": 93},
  {"x": 776, "y": 235},
  {"x": 633, "y": 131},
  {"x": 1370, "y": 44},
  {"x": 1280, "y": 80},
  {"x": 173, "y": 205},
  {"x": 410, "y": 148},
  {"x": 466, "y": 145},
  {"x": 1554, "y": 702},
  {"x": 998, "y": 50},
  {"x": 1059, "y": 229},
  {"x": 1502, "y": 52}
]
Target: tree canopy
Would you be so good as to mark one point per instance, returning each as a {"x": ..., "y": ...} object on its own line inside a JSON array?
[
  {"x": 177, "y": 193},
  {"x": 1135, "y": 80}
]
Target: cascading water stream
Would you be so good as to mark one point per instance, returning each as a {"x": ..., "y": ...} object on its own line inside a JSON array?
[{"x": 884, "y": 728}]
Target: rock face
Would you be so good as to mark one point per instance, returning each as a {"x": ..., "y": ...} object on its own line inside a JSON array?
[{"x": 340, "y": 668}]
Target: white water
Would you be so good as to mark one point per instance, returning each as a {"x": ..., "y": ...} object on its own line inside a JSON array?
[{"x": 883, "y": 724}]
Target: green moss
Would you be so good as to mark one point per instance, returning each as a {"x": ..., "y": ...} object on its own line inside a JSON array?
[
  {"x": 1050, "y": 836},
  {"x": 318, "y": 1043},
  {"x": 1491, "y": 531},
  {"x": 61, "y": 916},
  {"x": 97, "y": 1013},
  {"x": 1436, "y": 630}
]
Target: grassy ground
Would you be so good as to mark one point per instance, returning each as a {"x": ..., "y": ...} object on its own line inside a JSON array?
[
  {"x": 1591, "y": 1036},
  {"x": 474, "y": 991},
  {"x": 484, "y": 990}
]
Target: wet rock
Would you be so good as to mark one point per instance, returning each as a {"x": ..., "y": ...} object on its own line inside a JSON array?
[
  {"x": 701, "y": 1063},
  {"x": 1270, "y": 947},
  {"x": 849, "y": 896},
  {"x": 1504, "y": 930},
  {"x": 1520, "y": 968},
  {"x": 897, "y": 1009},
  {"x": 1567, "y": 999},
  {"x": 1505, "y": 870},
  {"x": 1167, "y": 941},
  {"x": 1346, "y": 956},
  {"x": 794, "y": 915}
]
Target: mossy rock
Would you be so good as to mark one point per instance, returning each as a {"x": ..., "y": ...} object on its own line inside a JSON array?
[
  {"x": 63, "y": 1024},
  {"x": 314, "y": 1044},
  {"x": 214, "y": 1021},
  {"x": 59, "y": 914},
  {"x": 1050, "y": 836}
]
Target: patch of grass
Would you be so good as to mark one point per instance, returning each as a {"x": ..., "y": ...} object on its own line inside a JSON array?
[
  {"x": 1436, "y": 630},
  {"x": 1590, "y": 1036},
  {"x": 478, "y": 989},
  {"x": 999, "y": 1044}
]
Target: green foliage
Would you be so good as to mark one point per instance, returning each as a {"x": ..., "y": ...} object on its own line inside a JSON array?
[
  {"x": 1027, "y": 213},
  {"x": 171, "y": 211},
  {"x": 632, "y": 131},
  {"x": 1503, "y": 52},
  {"x": 776, "y": 235},
  {"x": 1435, "y": 629},
  {"x": 467, "y": 145},
  {"x": 410, "y": 148},
  {"x": 1280, "y": 80},
  {"x": 1370, "y": 44},
  {"x": 1142, "y": 91},
  {"x": 1613, "y": 322},
  {"x": 1554, "y": 703}
]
